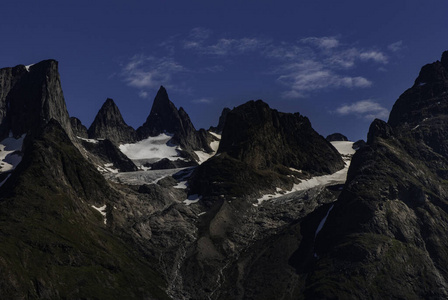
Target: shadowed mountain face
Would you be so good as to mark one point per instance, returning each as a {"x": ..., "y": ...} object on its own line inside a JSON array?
[
  {"x": 79, "y": 130},
  {"x": 259, "y": 149},
  {"x": 54, "y": 243},
  {"x": 109, "y": 124},
  {"x": 385, "y": 237},
  {"x": 30, "y": 97}
]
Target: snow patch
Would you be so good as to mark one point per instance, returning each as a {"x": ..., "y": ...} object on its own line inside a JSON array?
[
  {"x": 322, "y": 223},
  {"x": 204, "y": 156},
  {"x": 344, "y": 147},
  {"x": 181, "y": 185},
  {"x": 150, "y": 148},
  {"x": 339, "y": 177},
  {"x": 192, "y": 199},
  {"x": 10, "y": 155},
  {"x": 92, "y": 141},
  {"x": 28, "y": 67},
  {"x": 102, "y": 210}
]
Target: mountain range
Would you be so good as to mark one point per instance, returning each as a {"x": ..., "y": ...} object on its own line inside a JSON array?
[{"x": 259, "y": 207}]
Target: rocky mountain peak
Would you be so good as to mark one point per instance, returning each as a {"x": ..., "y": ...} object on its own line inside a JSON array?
[
  {"x": 336, "y": 137},
  {"x": 222, "y": 121},
  {"x": 30, "y": 97},
  {"x": 109, "y": 124},
  {"x": 427, "y": 98},
  {"x": 254, "y": 132},
  {"x": 166, "y": 118},
  {"x": 78, "y": 128},
  {"x": 444, "y": 59},
  {"x": 262, "y": 146}
]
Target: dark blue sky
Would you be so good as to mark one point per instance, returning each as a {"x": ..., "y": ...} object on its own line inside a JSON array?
[{"x": 340, "y": 63}]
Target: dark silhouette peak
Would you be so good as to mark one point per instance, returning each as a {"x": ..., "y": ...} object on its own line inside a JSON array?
[
  {"x": 109, "y": 124},
  {"x": 336, "y": 137},
  {"x": 444, "y": 60},
  {"x": 109, "y": 101}
]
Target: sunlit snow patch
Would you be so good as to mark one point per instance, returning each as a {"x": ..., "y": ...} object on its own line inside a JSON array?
[
  {"x": 102, "y": 210},
  {"x": 192, "y": 199},
  {"x": 28, "y": 67},
  {"x": 88, "y": 140},
  {"x": 152, "y": 147},
  {"x": 10, "y": 155},
  {"x": 203, "y": 156},
  {"x": 339, "y": 177}
]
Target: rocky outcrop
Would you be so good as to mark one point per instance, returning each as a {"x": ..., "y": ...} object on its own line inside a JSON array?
[
  {"x": 78, "y": 129},
  {"x": 259, "y": 148},
  {"x": 336, "y": 137},
  {"x": 396, "y": 195},
  {"x": 109, "y": 124},
  {"x": 105, "y": 153},
  {"x": 30, "y": 97},
  {"x": 166, "y": 118},
  {"x": 222, "y": 120}
]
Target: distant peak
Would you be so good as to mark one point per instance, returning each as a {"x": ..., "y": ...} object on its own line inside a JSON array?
[
  {"x": 109, "y": 102},
  {"x": 162, "y": 93},
  {"x": 444, "y": 59}
]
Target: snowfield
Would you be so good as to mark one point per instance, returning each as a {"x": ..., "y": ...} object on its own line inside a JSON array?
[
  {"x": 10, "y": 154},
  {"x": 339, "y": 177},
  {"x": 151, "y": 148}
]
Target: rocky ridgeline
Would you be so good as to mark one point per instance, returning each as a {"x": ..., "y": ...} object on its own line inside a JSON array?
[{"x": 393, "y": 244}]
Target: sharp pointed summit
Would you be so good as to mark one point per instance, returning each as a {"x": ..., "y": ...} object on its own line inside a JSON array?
[
  {"x": 109, "y": 124},
  {"x": 166, "y": 118}
]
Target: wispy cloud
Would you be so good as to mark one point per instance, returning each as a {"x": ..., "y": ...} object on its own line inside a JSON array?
[
  {"x": 149, "y": 72},
  {"x": 375, "y": 56},
  {"x": 366, "y": 109},
  {"x": 303, "y": 80},
  {"x": 395, "y": 47},
  {"x": 203, "y": 101},
  {"x": 322, "y": 42},
  {"x": 305, "y": 68}
]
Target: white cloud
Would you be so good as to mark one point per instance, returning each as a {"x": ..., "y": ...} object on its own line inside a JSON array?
[
  {"x": 143, "y": 94},
  {"x": 311, "y": 75},
  {"x": 322, "y": 42},
  {"x": 203, "y": 101},
  {"x": 200, "y": 33},
  {"x": 150, "y": 72},
  {"x": 366, "y": 109},
  {"x": 395, "y": 47},
  {"x": 376, "y": 56}
]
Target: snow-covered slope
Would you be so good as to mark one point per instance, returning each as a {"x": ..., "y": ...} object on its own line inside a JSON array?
[
  {"x": 203, "y": 156},
  {"x": 339, "y": 177}
]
